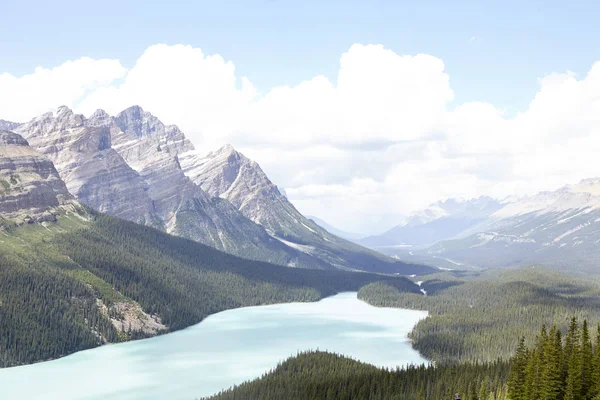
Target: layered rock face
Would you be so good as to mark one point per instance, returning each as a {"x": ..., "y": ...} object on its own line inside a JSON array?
[
  {"x": 132, "y": 166},
  {"x": 128, "y": 166},
  {"x": 153, "y": 150},
  {"x": 93, "y": 172},
  {"x": 30, "y": 186},
  {"x": 230, "y": 175}
]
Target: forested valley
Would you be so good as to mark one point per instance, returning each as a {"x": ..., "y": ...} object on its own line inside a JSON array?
[
  {"x": 61, "y": 284},
  {"x": 476, "y": 316}
]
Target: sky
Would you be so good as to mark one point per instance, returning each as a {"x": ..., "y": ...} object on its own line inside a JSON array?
[{"x": 364, "y": 111}]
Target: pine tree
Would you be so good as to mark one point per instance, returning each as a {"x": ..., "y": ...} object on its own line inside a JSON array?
[
  {"x": 517, "y": 378},
  {"x": 551, "y": 387},
  {"x": 596, "y": 366},
  {"x": 573, "y": 385},
  {"x": 586, "y": 362}
]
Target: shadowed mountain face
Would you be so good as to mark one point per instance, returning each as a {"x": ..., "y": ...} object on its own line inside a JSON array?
[
  {"x": 135, "y": 167},
  {"x": 30, "y": 188},
  {"x": 228, "y": 174}
]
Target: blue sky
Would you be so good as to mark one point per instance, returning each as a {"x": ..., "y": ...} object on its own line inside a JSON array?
[{"x": 493, "y": 50}]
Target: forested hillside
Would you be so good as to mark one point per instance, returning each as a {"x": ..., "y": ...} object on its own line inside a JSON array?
[
  {"x": 90, "y": 279},
  {"x": 556, "y": 366},
  {"x": 476, "y": 317},
  {"x": 326, "y": 376}
]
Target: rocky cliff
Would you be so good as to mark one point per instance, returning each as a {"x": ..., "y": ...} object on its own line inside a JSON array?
[
  {"x": 30, "y": 187},
  {"x": 228, "y": 174},
  {"x": 128, "y": 166},
  {"x": 95, "y": 173}
]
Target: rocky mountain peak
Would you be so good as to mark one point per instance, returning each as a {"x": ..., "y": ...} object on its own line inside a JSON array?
[
  {"x": 99, "y": 118},
  {"x": 8, "y": 125},
  {"x": 135, "y": 121},
  {"x": 61, "y": 119}
]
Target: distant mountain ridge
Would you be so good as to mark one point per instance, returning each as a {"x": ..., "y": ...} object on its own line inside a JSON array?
[
  {"x": 557, "y": 228},
  {"x": 441, "y": 220},
  {"x": 338, "y": 232},
  {"x": 135, "y": 167}
]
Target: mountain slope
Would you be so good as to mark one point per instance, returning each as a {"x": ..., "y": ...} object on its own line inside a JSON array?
[
  {"x": 88, "y": 279},
  {"x": 72, "y": 279},
  {"x": 440, "y": 221},
  {"x": 323, "y": 375},
  {"x": 559, "y": 228},
  {"x": 354, "y": 237},
  {"x": 130, "y": 166},
  {"x": 127, "y": 166},
  {"x": 93, "y": 172},
  {"x": 153, "y": 150},
  {"x": 230, "y": 175}
]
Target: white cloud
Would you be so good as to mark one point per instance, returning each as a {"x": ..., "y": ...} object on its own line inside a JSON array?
[
  {"x": 26, "y": 97},
  {"x": 380, "y": 140}
]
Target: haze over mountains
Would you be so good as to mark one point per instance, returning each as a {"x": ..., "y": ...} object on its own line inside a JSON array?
[
  {"x": 441, "y": 220},
  {"x": 134, "y": 167}
]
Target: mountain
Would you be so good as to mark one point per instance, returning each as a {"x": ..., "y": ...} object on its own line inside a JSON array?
[
  {"x": 130, "y": 166},
  {"x": 72, "y": 278},
  {"x": 127, "y": 166},
  {"x": 30, "y": 187},
  {"x": 338, "y": 232},
  {"x": 7, "y": 125},
  {"x": 228, "y": 174},
  {"x": 557, "y": 228},
  {"x": 93, "y": 171},
  {"x": 442, "y": 220}
]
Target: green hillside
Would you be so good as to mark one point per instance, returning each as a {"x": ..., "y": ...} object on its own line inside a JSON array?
[
  {"x": 89, "y": 279},
  {"x": 477, "y": 316},
  {"x": 325, "y": 376}
]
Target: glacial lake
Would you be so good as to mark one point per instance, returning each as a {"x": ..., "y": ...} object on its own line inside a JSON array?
[{"x": 225, "y": 349}]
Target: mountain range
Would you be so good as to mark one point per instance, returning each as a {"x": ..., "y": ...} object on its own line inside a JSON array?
[
  {"x": 442, "y": 220},
  {"x": 134, "y": 167},
  {"x": 556, "y": 228}
]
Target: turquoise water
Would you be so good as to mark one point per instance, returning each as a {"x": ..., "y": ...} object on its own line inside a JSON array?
[{"x": 225, "y": 349}]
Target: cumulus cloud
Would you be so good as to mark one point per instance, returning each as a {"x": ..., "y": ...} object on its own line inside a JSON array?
[
  {"x": 22, "y": 98},
  {"x": 382, "y": 139}
]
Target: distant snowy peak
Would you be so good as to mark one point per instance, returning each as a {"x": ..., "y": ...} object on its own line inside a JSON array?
[
  {"x": 455, "y": 207},
  {"x": 440, "y": 221},
  {"x": 583, "y": 195}
]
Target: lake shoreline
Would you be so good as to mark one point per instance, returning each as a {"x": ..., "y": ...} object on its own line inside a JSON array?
[{"x": 225, "y": 349}]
